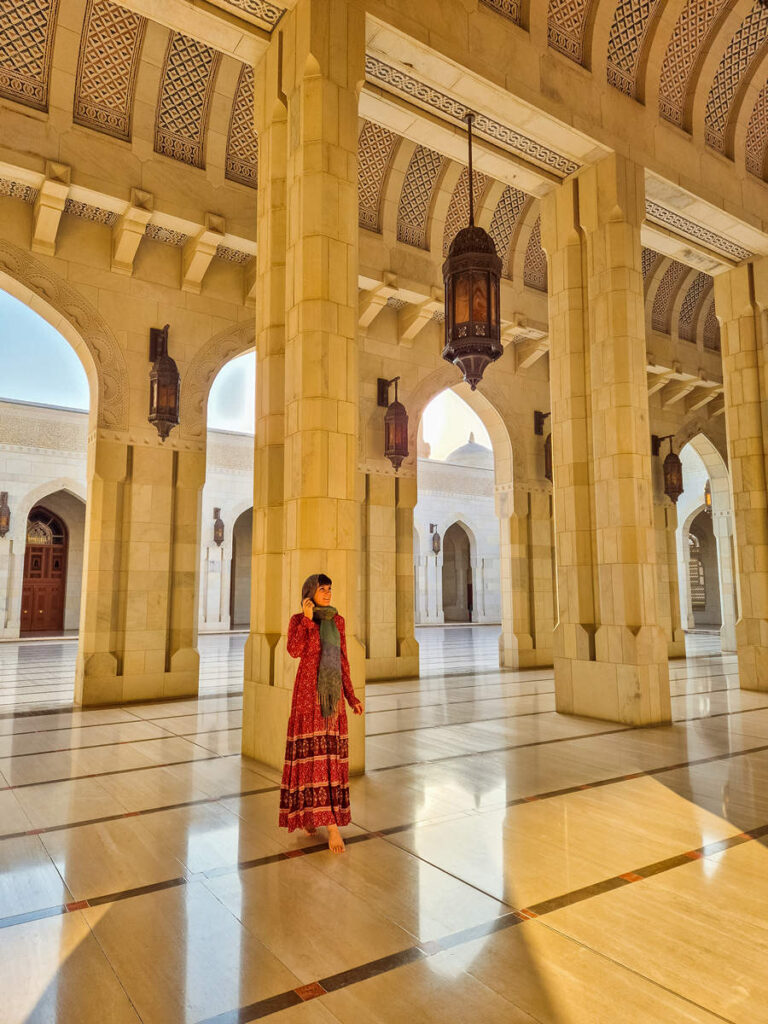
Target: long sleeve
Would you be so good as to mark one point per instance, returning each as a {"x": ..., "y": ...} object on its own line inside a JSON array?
[
  {"x": 346, "y": 677},
  {"x": 299, "y": 631}
]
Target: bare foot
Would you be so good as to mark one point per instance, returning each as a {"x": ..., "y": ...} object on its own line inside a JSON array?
[
  {"x": 309, "y": 831},
  {"x": 335, "y": 842}
]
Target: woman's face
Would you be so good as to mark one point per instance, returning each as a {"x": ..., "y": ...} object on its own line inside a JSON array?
[{"x": 323, "y": 595}]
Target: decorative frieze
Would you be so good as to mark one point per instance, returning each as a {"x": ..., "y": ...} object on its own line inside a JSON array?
[
  {"x": 695, "y": 231},
  {"x": 165, "y": 235}
]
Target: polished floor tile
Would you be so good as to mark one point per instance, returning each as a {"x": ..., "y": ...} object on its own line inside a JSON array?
[{"x": 504, "y": 863}]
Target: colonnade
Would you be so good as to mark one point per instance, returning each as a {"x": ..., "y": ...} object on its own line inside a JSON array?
[{"x": 607, "y": 617}]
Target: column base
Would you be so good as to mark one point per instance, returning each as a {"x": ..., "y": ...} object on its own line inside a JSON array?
[
  {"x": 676, "y": 646},
  {"x": 266, "y": 710},
  {"x": 520, "y": 653},
  {"x": 629, "y": 693},
  {"x": 728, "y": 639},
  {"x": 404, "y": 667},
  {"x": 752, "y": 650},
  {"x": 97, "y": 681}
]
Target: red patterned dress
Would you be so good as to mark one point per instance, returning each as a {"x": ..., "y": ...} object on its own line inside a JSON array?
[{"x": 315, "y": 789}]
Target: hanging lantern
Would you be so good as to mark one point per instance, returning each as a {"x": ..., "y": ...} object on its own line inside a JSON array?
[
  {"x": 435, "y": 538},
  {"x": 5, "y": 514},
  {"x": 471, "y": 274},
  {"x": 164, "y": 384},
  {"x": 673, "y": 473},
  {"x": 395, "y": 424},
  {"x": 708, "y": 497},
  {"x": 218, "y": 528}
]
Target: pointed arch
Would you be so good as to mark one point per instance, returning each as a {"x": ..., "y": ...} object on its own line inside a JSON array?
[{"x": 202, "y": 369}]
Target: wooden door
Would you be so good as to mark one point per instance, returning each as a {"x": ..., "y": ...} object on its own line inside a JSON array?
[{"x": 45, "y": 573}]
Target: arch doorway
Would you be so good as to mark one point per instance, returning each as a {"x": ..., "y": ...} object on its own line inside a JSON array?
[
  {"x": 457, "y": 575},
  {"x": 240, "y": 578},
  {"x": 44, "y": 585}
]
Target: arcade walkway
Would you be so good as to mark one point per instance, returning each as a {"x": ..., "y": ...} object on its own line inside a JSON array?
[{"x": 505, "y": 864}]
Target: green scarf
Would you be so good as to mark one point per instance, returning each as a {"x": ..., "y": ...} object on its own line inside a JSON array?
[{"x": 329, "y": 669}]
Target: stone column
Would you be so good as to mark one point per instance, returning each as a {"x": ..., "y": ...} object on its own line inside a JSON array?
[
  {"x": 526, "y": 578},
  {"x": 318, "y": 55},
  {"x": 609, "y": 651},
  {"x": 722, "y": 527},
  {"x": 665, "y": 521},
  {"x": 138, "y": 619},
  {"x": 741, "y": 301}
]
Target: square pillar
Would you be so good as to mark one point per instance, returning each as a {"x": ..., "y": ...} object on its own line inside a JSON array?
[
  {"x": 307, "y": 518},
  {"x": 526, "y": 578},
  {"x": 741, "y": 301},
  {"x": 138, "y": 619},
  {"x": 610, "y": 653}
]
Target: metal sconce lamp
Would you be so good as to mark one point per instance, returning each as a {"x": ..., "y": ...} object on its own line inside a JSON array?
[
  {"x": 708, "y": 497},
  {"x": 5, "y": 514},
  {"x": 471, "y": 275},
  {"x": 672, "y": 468},
  {"x": 164, "y": 384},
  {"x": 548, "y": 457},
  {"x": 538, "y": 421},
  {"x": 435, "y": 538},
  {"x": 218, "y": 528},
  {"x": 395, "y": 423}
]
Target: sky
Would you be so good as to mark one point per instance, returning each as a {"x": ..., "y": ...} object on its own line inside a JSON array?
[{"x": 38, "y": 365}]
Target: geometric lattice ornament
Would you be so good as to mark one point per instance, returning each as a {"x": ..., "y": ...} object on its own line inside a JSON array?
[
  {"x": 27, "y": 28},
  {"x": 665, "y": 295},
  {"x": 630, "y": 25},
  {"x": 508, "y": 8},
  {"x": 756, "y": 144},
  {"x": 712, "y": 329},
  {"x": 535, "y": 271},
  {"x": 648, "y": 259},
  {"x": 686, "y": 327},
  {"x": 505, "y": 217},
  {"x": 416, "y": 196},
  {"x": 458, "y": 208},
  {"x": 566, "y": 25},
  {"x": 243, "y": 141},
  {"x": 185, "y": 94},
  {"x": 106, "y": 69},
  {"x": 375, "y": 150},
  {"x": 688, "y": 43},
  {"x": 746, "y": 46}
]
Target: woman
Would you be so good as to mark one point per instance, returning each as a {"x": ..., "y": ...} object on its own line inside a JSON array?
[{"x": 315, "y": 788}]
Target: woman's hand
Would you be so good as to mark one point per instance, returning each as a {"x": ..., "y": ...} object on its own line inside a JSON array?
[
  {"x": 308, "y": 607},
  {"x": 357, "y": 708}
]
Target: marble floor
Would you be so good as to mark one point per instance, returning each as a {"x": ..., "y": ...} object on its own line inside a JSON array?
[{"x": 505, "y": 864}]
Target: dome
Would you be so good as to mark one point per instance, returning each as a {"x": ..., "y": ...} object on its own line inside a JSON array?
[{"x": 471, "y": 454}]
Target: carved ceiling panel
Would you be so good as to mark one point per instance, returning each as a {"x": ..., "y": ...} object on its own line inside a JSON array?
[
  {"x": 188, "y": 77},
  {"x": 27, "y": 29},
  {"x": 508, "y": 8},
  {"x": 757, "y": 135},
  {"x": 535, "y": 270},
  {"x": 748, "y": 43},
  {"x": 566, "y": 27},
  {"x": 665, "y": 296},
  {"x": 416, "y": 196},
  {"x": 243, "y": 140},
  {"x": 106, "y": 69},
  {"x": 629, "y": 28},
  {"x": 376, "y": 148},
  {"x": 686, "y": 328},
  {"x": 504, "y": 221},
  {"x": 696, "y": 21},
  {"x": 457, "y": 216},
  {"x": 648, "y": 260},
  {"x": 712, "y": 329}
]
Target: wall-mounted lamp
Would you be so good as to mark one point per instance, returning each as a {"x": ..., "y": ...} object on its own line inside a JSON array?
[
  {"x": 708, "y": 497},
  {"x": 538, "y": 421},
  {"x": 5, "y": 514},
  {"x": 548, "y": 458},
  {"x": 471, "y": 276},
  {"x": 395, "y": 423},
  {"x": 164, "y": 384},
  {"x": 672, "y": 468},
  {"x": 435, "y": 538},
  {"x": 218, "y": 528}
]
